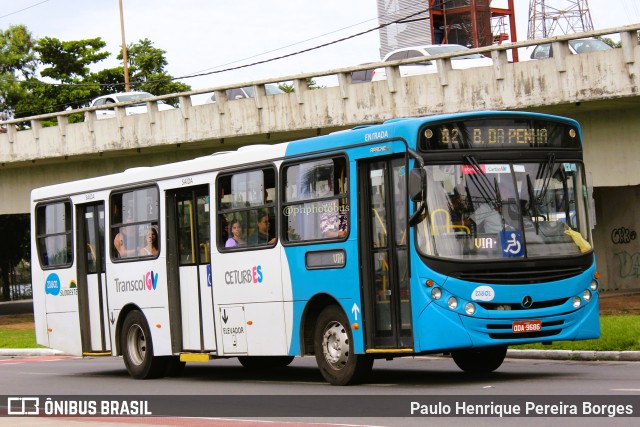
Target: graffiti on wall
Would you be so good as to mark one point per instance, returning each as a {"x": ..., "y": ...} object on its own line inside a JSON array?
[
  {"x": 629, "y": 264},
  {"x": 623, "y": 235}
]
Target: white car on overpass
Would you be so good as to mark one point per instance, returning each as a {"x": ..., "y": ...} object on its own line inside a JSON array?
[
  {"x": 245, "y": 92},
  {"x": 576, "y": 46},
  {"x": 139, "y": 108},
  {"x": 428, "y": 67}
]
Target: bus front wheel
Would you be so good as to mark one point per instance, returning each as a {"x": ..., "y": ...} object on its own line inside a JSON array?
[
  {"x": 137, "y": 348},
  {"x": 333, "y": 342},
  {"x": 479, "y": 360}
]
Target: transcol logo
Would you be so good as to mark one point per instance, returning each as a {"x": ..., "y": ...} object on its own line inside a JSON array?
[{"x": 149, "y": 282}]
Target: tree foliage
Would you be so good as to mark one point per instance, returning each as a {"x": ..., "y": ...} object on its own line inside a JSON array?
[
  {"x": 47, "y": 75},
  {"x": 610, "y": 41},
  {"x": 17, "y": 61},
  {"x": 147, "y": 70},
  {"x": 288, "y": 87},
  {"x": 68, "y": 62}
]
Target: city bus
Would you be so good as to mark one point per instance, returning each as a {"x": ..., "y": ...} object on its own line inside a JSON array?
[{"x": 458, "y": 234}]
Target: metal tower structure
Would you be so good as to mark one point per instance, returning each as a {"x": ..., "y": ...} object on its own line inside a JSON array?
[
  {"x": 554, "y": 17},
  {"x": 472, "y": 23}
]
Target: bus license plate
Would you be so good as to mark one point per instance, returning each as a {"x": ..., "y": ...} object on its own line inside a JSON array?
[{"x": 525, "y": 326}]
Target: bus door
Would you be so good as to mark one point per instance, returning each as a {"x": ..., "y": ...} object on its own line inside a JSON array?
[
  {"x": 383, "y": 250},
  {"x": 189, "y": 267},
  {"x": 92, "y": 282}
]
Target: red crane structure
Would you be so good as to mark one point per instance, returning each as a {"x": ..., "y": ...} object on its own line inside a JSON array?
[{"x": 472, "y": 23}]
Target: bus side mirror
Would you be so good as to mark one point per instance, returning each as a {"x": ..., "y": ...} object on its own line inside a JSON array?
[{"x": 417, "y": 184}]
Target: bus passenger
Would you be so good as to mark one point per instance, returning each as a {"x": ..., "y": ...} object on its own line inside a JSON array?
[
  {"x": 333, "y": 222},
  {"x": 122, "y": 241},
  {"x": 261, "y": 236},
  {"x": 236, "y": 235},
  {"x": 152, "y": 242}
]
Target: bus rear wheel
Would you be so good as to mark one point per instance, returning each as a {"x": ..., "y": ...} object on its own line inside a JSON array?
[
  {"x": 479, "y": 360},
  {"x": 265, "y": 362},
  {"x": 333, "y": 344},
  {"x": 137, "y": 348}
]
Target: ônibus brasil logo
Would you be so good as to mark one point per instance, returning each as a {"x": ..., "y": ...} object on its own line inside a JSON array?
[{"x": 149, "y": 282}]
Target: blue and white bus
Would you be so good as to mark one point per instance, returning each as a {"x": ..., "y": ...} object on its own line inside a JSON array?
[{"x": 459, "y": 234}]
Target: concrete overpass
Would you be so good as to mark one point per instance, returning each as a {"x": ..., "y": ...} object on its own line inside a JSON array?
[{"x": 599, "y": 89}]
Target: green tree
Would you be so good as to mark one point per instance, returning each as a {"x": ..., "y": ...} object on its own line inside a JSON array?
[
  {"x": 68, "y": 61},
  {"x": 17, "y": 61},
  {"x": 67, "y": 65},
  {"x": 609, "y": 41},
  {"x": 145, "y": 60},
  {"x": 147, "y": 70},
  {"x": 288, "y": 87}
]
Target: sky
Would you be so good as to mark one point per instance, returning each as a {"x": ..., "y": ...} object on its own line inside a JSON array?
[{"x": 206, "y": 35}]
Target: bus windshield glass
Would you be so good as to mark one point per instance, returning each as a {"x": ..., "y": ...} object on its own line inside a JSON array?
[{"x": 505, "y": 210}]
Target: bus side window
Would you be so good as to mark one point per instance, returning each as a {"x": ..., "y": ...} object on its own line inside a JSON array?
[
  {"x": 134, "y": 219},
  {"x": 316, "y": 203},
  {"x": 53, "y": 228},
  {"x": 246, "y": 204}
]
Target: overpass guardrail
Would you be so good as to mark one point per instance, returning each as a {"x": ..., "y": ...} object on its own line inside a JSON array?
[{"x": 22, "y": 135}]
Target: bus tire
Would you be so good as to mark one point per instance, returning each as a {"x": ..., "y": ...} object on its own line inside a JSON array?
[
  {"x": 137, "y": 348},
  {"x": 265, "y": 362},
  {"x": 479, "y": 360},
  {"x": 335, "y": 355}
]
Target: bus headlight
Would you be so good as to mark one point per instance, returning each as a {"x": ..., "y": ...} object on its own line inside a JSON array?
[
  {"x": 576, "y": 301},
  {"x": 470, "y": 308},
  {"x": 594, "y": 285},
  {"x": 586, "y": 295},
  {"x": 436, "y": 293},
  {"x": 452, "y": 302}
]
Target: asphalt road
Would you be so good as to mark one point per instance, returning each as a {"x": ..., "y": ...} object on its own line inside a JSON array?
[
  {"x": 223, "y": 389},
  {"x": 16, "y": 307}
]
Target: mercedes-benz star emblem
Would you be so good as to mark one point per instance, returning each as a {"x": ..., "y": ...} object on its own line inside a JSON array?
[{"x": 527, "y": 301}]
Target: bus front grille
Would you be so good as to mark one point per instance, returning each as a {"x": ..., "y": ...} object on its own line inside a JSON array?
[
  {"x": 519, "y": 276},
  {"x": 511, "y": 336}
]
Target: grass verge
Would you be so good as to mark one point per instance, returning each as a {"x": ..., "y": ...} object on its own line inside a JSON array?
[
  {"x": 17, "y": 331},
  {"x": 618, "y": 333}
]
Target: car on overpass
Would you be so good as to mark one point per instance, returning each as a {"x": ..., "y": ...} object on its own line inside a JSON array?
[
  {"x": 576, "y": 46},
  {"x": 428, "y": 66},
  {"x": 138, "y": 108},
  {"x": 245, "y": 92}
]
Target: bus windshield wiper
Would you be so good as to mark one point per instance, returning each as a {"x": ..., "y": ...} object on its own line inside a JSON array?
[
  {"x": 533, "y": 204},
  {"x": 545, "y": 174},
  {"x": 479, "y": 178}
]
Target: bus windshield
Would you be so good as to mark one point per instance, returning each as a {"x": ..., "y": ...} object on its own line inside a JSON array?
[{"x": 505, "y": 210}]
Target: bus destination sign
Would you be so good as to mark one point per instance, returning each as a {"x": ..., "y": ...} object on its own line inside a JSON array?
[{"x": 499, "y": 133}]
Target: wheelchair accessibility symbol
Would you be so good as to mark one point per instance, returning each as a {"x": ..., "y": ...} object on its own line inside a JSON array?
[{"x": 512, "y": 244}]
